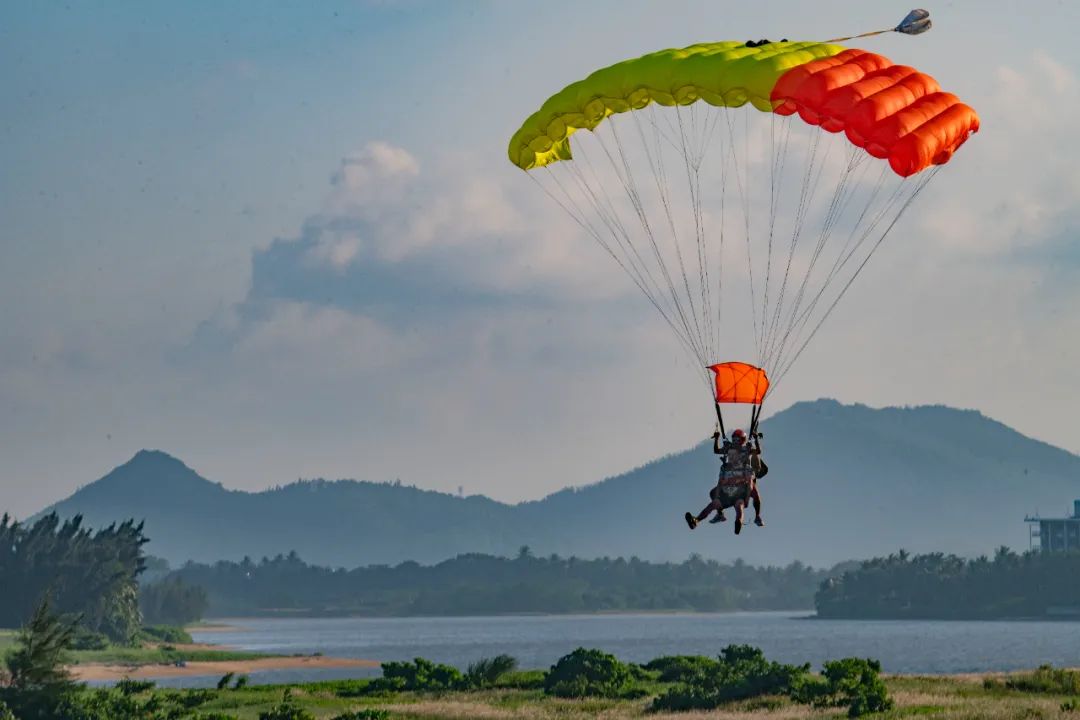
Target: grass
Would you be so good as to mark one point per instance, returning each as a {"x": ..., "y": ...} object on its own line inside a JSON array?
[
  {"x": 148, "y": 653},
  {"x": 944, "y": 698},
  {"x": 156, "y": 655}
]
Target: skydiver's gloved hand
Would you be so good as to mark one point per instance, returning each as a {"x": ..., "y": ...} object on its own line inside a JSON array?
[{"x": 716, "y": 435}]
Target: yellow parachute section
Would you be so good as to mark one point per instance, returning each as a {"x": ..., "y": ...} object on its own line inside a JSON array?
[{"x": 723, "y": 74}]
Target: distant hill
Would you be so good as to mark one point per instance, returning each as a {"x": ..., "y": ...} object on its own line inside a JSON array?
[{"x": 846, "y": 481}]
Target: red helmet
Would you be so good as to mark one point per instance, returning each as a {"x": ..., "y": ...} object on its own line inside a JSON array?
[{"x": 738, "y": 435}]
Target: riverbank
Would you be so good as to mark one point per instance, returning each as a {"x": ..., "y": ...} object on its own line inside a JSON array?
[{"x": 103, "y": 672}]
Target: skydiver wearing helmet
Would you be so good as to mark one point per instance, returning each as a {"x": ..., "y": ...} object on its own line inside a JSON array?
[{"x": 737, "y": 484}]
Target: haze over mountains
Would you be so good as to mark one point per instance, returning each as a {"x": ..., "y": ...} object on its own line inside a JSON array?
[{"x": 846, "y": 482}]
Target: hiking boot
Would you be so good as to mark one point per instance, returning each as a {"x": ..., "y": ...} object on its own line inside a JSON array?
[
  {"x": 691, "y": 520},
  {"x": 718, "y": 518},
  {"x": 759, "y": 522}
]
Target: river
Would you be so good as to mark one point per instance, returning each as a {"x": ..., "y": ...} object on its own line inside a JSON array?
[{"x": 902, "y": 646}]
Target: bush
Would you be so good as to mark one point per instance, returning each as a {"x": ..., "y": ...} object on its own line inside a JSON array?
[
  {"x": 127, "y": 686},
  {"x": 1071, "y": 705},
  {"x": 225, "y": 680},
  {"x": 365, "y": 714},
  {"x": 680, "y": 668},
  {"x": 853, "y": 682},
  {"x": 588, "y": 673},
  {"x": 522, "y": 680},
  {"x": 241, "y": 682},
  {"x": 111, "y": 704},
  {"x": 85, "y": 639},
  {"x": 286, "y": 710},
  {"x": 741, "y": 672},
  {"x": 351, "y": 688},
  {"x": 487, "y": 671},
  {"x": 420, "y": 674},
  {"x": 1047, "y": 680},
  {"x": 165, "y": 634}
]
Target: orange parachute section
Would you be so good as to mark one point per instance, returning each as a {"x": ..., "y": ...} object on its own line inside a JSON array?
[
  {"x": 892, "y": 111},
  {"x": 738, "y": 382}
]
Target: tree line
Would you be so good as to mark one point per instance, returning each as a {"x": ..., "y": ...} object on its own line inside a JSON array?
[
  {"x": 940, "y": 586},
  {"x": 92, "y": 575},
  {"x": 474, "y": 584}
]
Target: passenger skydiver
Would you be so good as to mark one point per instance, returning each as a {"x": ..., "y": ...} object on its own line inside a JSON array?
[{"x": 737, "y": 483}]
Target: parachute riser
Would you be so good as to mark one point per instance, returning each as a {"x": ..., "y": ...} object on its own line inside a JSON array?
[{"x": 755, "y": 416}]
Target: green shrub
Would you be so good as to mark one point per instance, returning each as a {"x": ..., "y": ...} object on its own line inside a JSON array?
[
  {"x": 165, "y": 634},
  {"x": 189, "y": 699},
  {"x": 85, "y": 639},
  {"x": 1071, "y": 705},
  {"x": 225, "y": 680},
  {"x": 365, "y": 714},
  {"x": 741, "y": 672},
  {"x": 1046, "y": 680},
  {"x": 113, "y": 704},
  {"x": 351, "y": 688},
  {"x": 420, "y": 674},
  {"x": 522, "y": 680},
  {"x": 588, "y": 673},
  {"x": 853, "y": 682},
  {"x": 287, "y": 709},
  {"x": 127, "y": 686},
  {"x": 680, "y": 668},
  {"x": 487, "y": 671},
  {"x": 241, "y": 682}
]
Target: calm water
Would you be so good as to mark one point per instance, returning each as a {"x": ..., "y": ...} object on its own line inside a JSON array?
[{"x": 901, "y": 646}]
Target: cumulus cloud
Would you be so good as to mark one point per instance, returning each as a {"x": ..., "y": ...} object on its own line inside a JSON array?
[{"x": 1016, "y": 181}]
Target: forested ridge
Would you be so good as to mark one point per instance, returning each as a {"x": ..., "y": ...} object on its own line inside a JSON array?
[
  {"x": 476, "y": 584},
  {"x": 940, "y": 586}
]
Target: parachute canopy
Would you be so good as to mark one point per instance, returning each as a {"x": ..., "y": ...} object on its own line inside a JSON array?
[
  {"x": 738, "y": 382},
  {"x": 744, "y": 227},
  {"x": 892, "y": 111}
]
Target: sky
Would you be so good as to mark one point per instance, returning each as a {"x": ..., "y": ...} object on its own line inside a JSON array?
[{"x": 283, "y": 241}]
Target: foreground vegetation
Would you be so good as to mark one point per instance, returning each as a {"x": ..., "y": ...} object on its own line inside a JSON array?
[
  {"x": 521, "y": 695},
  {"x": 741, "y": 681}
]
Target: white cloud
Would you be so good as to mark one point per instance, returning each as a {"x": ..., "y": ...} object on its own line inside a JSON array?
[{"x": 1009, "y": 187}]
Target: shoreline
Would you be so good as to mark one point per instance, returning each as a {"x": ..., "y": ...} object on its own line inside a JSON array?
[{"x": 104, "y": 672}]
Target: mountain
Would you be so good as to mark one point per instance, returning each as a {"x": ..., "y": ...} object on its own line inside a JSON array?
[{"x": 845, "y": 481}]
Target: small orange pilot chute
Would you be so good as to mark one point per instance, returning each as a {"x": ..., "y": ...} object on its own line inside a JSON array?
[{"x": 738, "y": 382}]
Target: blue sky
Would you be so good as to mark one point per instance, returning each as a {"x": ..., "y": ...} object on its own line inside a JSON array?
[{"x": 282, "y": 240}]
